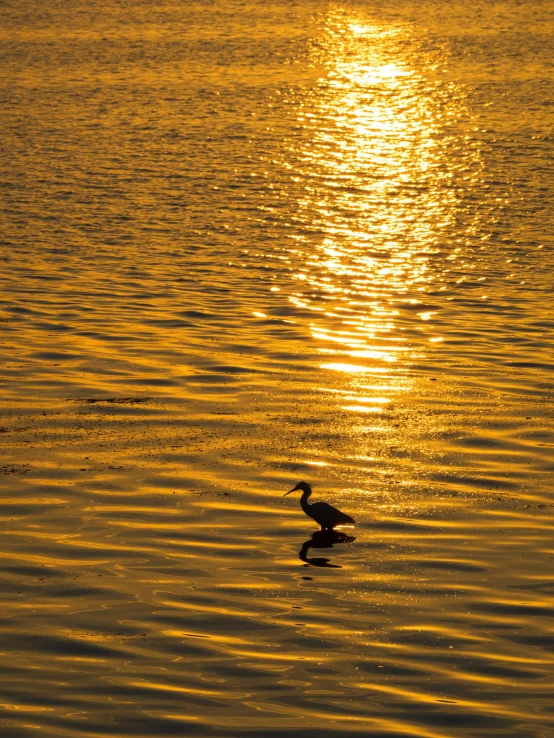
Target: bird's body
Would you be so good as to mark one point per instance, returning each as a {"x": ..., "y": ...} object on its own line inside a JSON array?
[{"x": 326, "y": 515}]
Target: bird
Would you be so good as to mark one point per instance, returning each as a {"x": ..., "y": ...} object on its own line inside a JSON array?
[{"x": 326, "y": 515}]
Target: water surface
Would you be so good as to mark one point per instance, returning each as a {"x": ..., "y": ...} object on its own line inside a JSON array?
[{"x": 245, "y": 245}]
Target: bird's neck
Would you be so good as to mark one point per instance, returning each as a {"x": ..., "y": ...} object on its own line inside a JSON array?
[{"x": 304, "y": 501}]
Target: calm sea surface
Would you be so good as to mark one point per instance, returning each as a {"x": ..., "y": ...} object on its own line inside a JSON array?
[{"x": 246, "y": 244}]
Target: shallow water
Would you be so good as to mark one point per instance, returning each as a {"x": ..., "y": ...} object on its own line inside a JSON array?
[{"x": 244, "y": 245}]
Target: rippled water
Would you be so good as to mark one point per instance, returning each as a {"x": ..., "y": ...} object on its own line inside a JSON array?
[{"x": 245, "y": 244}]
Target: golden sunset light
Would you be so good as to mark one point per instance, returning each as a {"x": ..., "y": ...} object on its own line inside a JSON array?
[{"x": 277, "y": 339}]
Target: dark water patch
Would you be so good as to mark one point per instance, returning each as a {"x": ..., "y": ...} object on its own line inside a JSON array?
[
  {"x": 72, "y": 592},
  {"x": 53, "y": 494},
  {"x": 211, "y": 379},
  {"x": 495, "y": 670},
  {"x": 127, "y": 725},
  {"x": 183, "y": 648},
  {"x": 339, "y": 732},
  {"x": 58, "y": 645},
  {"x": 451, "y": 717},
  {"x": 543, "y": 642},
  {"x": 244, "y": 348},
  {"x": 90, "y": 334},
  {"x": 32, "y": 571},
  {"x": 113, "y": 338},
  {"x": 169, "y": 323},
  {"x": 17, "y": 469},
  {"x": 76, "y": 552},
  {"x": 208, "y": 622},
  {"x": 20, "y": 310},
  {"x": 483, "y": 442},
  {"x": 393, "y": 670},
  {"x": 539, "y": 435},
  {"x": 13, "y": 509},
  {"x": 512, "y": 608},
  {"x": 233, "y": 670},
  {"x": 164, "y": 692},
  {"x": 196, "y": 314},
  {"x": 309, "y": 642},
  {"x": 53, "y": 327},
  {"x": 15, "y": 695},
  {"x": 156, "y": 382},
  {"x": 433, "y": 640},
  {"x": 55, "y": 356},
  {"x": 546, "y": 587},
  {"x": 537, "y": 365},
  {"x": 113, "y": 400},
  {"x": 121, "y": 409},
  {"x": 11, "y": 730}
]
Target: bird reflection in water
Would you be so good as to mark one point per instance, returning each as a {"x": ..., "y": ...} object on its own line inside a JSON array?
[{"x": 323, "y": 539}]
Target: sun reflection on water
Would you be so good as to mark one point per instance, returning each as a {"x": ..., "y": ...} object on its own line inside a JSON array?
[{"x": 379, "y": 188}]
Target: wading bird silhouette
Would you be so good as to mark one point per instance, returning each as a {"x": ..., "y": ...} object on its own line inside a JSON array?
[{"x": 323, "y": 513}]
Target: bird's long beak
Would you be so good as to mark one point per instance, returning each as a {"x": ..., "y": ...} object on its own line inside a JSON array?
[{"x": 290, "y": 490}]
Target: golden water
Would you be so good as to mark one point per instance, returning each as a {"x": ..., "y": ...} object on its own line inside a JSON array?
[{"x": 245, "y": 244}]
